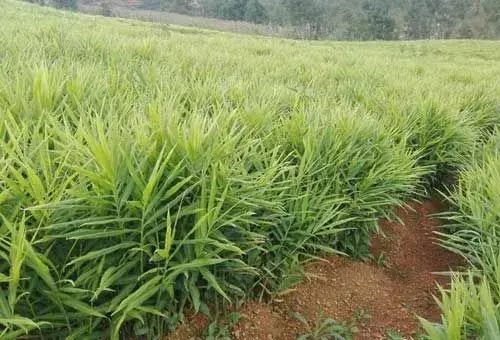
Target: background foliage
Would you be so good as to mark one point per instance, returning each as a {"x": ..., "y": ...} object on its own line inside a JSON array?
[{"x": 336, "y": 19}]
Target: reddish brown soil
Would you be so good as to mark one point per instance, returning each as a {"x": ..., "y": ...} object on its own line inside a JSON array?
[
  {"x": 191, "y": 329},
  {"x": 383, "y": 297}
]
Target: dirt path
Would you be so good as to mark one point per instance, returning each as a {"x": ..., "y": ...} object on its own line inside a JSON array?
[{"x": 382, "y": 297}]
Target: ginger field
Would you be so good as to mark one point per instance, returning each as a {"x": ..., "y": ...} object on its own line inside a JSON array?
[{"x": 148, "y": 170}]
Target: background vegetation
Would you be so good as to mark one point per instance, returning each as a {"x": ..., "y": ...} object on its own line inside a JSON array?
[
  {"x": 333, "y": 19},
  {"x": 148, "y": 169}
]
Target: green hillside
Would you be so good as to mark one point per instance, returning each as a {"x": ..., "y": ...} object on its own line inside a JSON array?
[
  {"x": 316, "y": 19},
  {"x": 149, "y": 169}
]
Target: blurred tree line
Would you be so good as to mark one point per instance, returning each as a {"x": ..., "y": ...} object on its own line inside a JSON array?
[
  {"x": 345, "y": 19},
  {"x": 355, "y": 19}
]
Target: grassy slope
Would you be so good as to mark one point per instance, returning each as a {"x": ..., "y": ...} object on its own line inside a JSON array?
[
  {"x": 120, "y": 9},
  {"x": 222, "y": 157},
  {"x": 381, "y": 74}
]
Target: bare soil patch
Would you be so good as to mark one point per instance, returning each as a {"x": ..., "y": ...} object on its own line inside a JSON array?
[{"x": 384, "y": 295}]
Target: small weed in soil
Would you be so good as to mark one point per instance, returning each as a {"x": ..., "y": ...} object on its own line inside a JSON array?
[
  {"x": 394, "y": 335},
  {"x": 381, "y": 260},
  {"x": 221, "y": 330},
  {"x": 360, "y": 317},
  {"x": 324, "y": 329}
]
